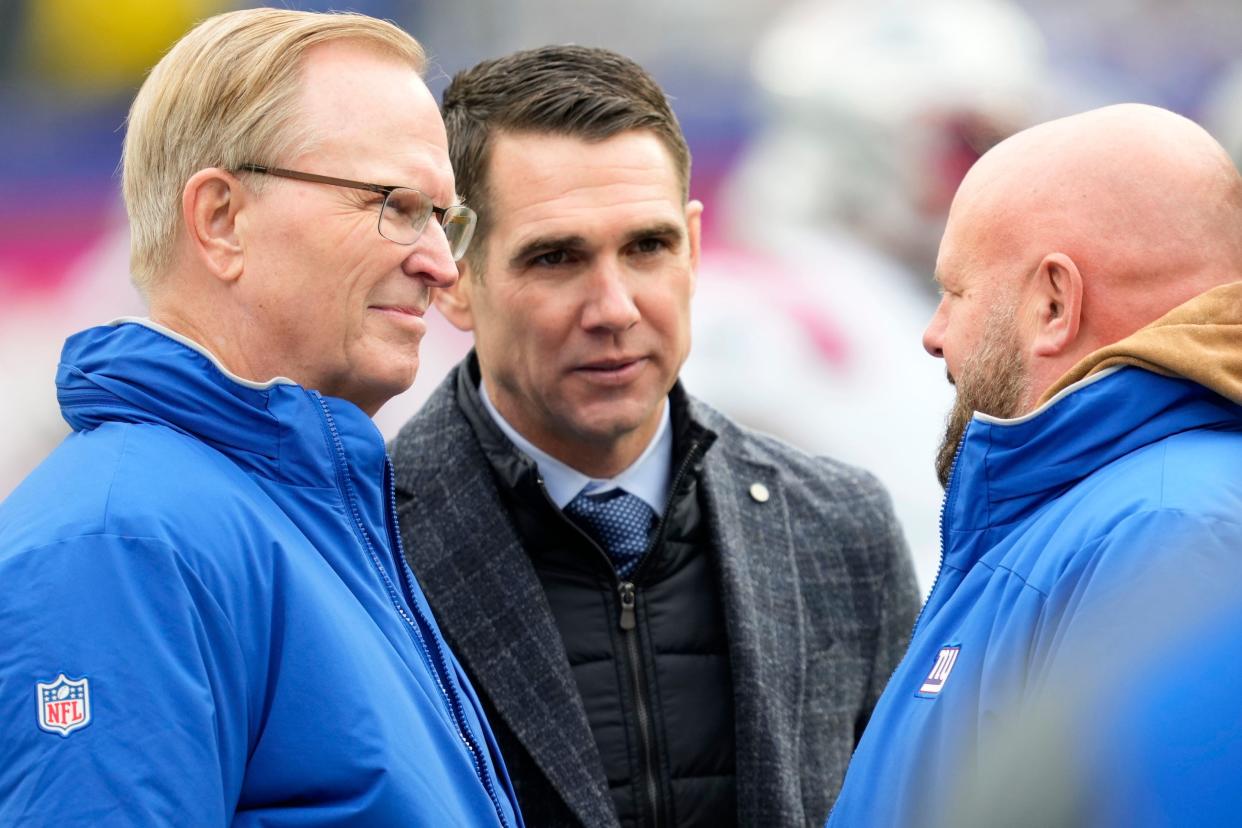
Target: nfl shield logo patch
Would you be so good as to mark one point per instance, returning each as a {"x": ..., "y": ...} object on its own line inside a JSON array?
[{"x": 64, "y": 704}]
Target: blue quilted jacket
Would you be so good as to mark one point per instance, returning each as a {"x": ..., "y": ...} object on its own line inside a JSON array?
[
  {"x": 1046, "y": 519},
  {"x": 206, "y": 618}
]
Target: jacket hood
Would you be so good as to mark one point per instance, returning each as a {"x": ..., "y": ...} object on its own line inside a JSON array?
[
  {"x": 134, "y": 371},
  {"x": 1200, "y": 340}
]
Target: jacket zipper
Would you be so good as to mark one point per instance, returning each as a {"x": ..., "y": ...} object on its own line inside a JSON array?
[
  {"x": 417, "y": 626},
  {"x": 476, "y": 750},
  {"x": 74, "y": 399},
  {"x": 944, "y": 507}
]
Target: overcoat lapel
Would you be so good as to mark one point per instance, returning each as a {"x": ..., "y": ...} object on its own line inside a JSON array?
[
  {"x": 490, "y": 605},
  {"x": 763, "y": 615}
]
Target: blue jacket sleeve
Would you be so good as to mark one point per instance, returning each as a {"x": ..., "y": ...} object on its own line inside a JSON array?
[{"x": 167, "y": 729}]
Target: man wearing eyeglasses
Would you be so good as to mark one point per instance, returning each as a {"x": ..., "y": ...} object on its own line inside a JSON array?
[
  {"x": 205, "y": 607},
  {"x": 671, "y": 620}
]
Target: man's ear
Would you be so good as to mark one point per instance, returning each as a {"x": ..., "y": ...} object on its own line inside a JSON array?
[
  {"x": 454, "y": 301},
  {"x": 210, "y": 203},
  {"x": 1057, "y": 298},
  {"x": 694, "y": 230}
]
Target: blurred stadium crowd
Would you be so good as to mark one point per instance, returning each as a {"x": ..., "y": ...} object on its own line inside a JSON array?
[{"x": 828, "y": 139}]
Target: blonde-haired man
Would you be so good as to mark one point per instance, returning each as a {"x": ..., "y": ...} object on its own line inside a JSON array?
[{"x": 215, "y": 621}]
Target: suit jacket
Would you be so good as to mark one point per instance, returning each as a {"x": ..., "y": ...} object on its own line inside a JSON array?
[{"x": 818, "y": 590}]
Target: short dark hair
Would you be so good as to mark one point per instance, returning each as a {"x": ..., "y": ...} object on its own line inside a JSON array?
[{"x": 578, "y": 91}]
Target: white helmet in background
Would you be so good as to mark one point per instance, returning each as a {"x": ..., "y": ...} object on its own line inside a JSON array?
[
  {"x": 808, "y": 320},
  {"x": 878, "y": 107},
  {"x": 1222, "y": 111}
]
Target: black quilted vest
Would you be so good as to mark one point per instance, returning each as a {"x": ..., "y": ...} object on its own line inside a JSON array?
[{"x": 650, "y": 656}]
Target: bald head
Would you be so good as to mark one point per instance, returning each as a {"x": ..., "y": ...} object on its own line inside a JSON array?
[{"x": 1128, "y": 211}]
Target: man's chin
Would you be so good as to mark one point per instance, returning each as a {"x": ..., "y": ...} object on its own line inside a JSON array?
[
  {"x": 372, "y": 390},
  {"x": 1004, "y": 405},
  {"x": 954, "y": 429},
  {"x": 614, "y": 420}
]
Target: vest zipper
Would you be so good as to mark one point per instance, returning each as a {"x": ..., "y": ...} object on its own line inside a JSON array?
[
  {"x": 629, "y": 598},
  {"x": 626, "y": 589},
  {"x": 417, "y": 626},
  {"x": 628, "y": 593}
]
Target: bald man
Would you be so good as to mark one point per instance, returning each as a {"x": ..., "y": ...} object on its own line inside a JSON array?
[{"x": 1090, "y": 323}]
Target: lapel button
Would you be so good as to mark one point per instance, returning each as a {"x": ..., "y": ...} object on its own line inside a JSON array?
[{"x": 759, "y": 492}]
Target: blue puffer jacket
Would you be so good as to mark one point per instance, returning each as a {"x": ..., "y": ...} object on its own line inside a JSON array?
[
  {"x": 1047, "y": 520},
  {"x": 206, "y": 618}
]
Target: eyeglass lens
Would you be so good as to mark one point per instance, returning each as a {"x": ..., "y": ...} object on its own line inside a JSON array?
[{"x": 406, "y": 212}]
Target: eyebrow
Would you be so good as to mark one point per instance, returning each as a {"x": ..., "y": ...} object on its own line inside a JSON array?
[
  {"x": 542, "y": 244},
  {"x": 663, "y": 228}
]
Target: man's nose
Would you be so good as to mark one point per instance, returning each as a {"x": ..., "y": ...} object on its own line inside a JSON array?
[
  {"x": 431, "y": 258},
  {"x": 611, "y": 303},
  {"x": 933, "y": 335}
]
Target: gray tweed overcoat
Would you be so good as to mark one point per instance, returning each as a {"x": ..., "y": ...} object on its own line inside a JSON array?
[{"x": 818, "y": 590}]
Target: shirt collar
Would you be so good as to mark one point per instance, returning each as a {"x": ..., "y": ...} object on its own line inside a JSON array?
[{"x": 646, "y": 478}]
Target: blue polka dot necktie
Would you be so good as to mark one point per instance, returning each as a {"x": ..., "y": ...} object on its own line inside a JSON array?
[{"x": 618, "y": 521}]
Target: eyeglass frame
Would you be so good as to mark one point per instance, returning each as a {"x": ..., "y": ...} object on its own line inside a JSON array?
[{"x": 385, "y": 190}]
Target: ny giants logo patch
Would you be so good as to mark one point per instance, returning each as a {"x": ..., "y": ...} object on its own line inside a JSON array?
[
  {"x": 934, "y": 683},
  {"x": 64, "y": 704}
]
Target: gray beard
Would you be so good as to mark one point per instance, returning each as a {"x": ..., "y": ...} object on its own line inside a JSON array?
[{"x": 992, "y": 381}]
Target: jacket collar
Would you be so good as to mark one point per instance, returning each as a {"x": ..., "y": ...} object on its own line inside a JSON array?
[
  {"x": 1200, "y": 340},
  {"x": 1176, "y": 373},
  {"x": 1007, "y": 469},
  {"x": 136, "y": 371}
]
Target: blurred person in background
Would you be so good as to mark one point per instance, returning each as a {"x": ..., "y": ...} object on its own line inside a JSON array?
[
  {"x": 1090, "y": 324},
  {"x": 206, "y": 607},
  {"x": 671, "y": 620},
  {"x": 875, "y": 110}
]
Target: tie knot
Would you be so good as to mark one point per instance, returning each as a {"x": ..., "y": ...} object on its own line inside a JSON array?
[{"x": 618, "y": 521}]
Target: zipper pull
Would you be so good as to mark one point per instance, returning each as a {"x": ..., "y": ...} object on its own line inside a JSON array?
[{"x": 627, "y": 605}]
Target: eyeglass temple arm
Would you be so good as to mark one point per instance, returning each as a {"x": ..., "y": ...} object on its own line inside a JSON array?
[{"x": 318, "y": 179}]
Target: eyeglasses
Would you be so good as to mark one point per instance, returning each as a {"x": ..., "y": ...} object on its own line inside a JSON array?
[{"x": 404, "y": 215}]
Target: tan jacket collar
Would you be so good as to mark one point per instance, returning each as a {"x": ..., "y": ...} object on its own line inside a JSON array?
[{"x": 1200, "y": 340}]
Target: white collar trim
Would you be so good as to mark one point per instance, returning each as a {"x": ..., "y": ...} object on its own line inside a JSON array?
[
  {"x": 1060, "y": 395},
  {"x": 190, "y": 343}
]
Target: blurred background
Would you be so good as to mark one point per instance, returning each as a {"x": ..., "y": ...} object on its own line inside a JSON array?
[{"x": 828, "y": 138}]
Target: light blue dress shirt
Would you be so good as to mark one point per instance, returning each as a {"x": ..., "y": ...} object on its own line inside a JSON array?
[{"x": 646, "y": 478}]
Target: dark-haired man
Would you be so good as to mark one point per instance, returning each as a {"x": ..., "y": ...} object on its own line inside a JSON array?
[{"x": 672, "y": 620}]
